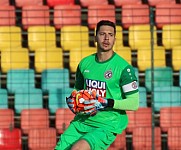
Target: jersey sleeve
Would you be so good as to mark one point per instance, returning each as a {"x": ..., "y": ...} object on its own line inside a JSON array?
[
  {"x": 79, "y": 80},
  {"x": 129, "y": 81}
]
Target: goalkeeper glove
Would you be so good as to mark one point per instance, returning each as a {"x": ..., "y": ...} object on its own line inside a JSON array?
[{"x": 71, "y": 101}]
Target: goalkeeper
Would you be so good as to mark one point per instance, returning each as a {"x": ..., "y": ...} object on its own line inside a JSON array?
[{"x": 111, "y": 84}]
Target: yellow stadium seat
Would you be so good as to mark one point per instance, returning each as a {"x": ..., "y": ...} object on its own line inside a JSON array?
[
  {"x": 124, "y": 52},
  {"x": 10, "y": 37},
  {"x": 140, "y": 36},
  {"x": 48, "y": 58},
  {"x": 74, "y": 37},
  {"x": 76, "y": 54},
  {"x": 176, "y": 58},
  {"x": 41, "y": 37},
  {"x": 144, "y": 57},
  {"x": 171, "y": 36},
  {"x": 18, "y": 58}
]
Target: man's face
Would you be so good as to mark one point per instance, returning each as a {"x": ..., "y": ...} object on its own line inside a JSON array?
[{"x": 105, "y": 38}]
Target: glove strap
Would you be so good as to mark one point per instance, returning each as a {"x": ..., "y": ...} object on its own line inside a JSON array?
[{"x": 110, "y": 103}]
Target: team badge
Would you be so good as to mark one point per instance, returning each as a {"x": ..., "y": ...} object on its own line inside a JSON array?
[
  {"x": 134, "y": 85},
  {"x": 108, "y": 74}
]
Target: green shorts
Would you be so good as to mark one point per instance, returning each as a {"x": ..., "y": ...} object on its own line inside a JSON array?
[{"x": 98, "y": 138}]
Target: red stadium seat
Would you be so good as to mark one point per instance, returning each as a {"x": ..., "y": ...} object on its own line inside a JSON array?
[
  {"x": 21, "y": 3},
  {"x": 52, "y": 3},
  {"x": 4, "y": 2},
  {"x": 157, "y": 2},
  {"x": 7, "y": 15},
  {"x": 119, "y": 143},
  {"x": 63, "y": 117},
  {"x": 87, "y": 3},
  {"x": 65, "y": 15},
  {"x": 34, "y": 119},
  {"x": 142, "y": 138},
  {"x": 174, "y": 140},
  {"x": 35, "y": 16},
  {"x": 6, "y": 118},
  {"x": 167, "y": 14},
  {"x": 169, "y": 117},
  {"x": 100, "y": 12},
  {"x": 140, "y": 118},
  {"x": 119, "y": 3},
  {"x": 10, "y": 139},
  {"x": 135, "y": 14},
  {"x": 42, "y": 139}
]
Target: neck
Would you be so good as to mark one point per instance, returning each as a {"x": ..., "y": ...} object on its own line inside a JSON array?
[{"x": 103, "y": 56}]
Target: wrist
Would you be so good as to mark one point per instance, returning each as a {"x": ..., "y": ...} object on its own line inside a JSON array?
[{"x": 110, "y": 103}]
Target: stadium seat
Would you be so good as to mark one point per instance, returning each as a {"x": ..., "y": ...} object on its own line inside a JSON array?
[
  {"x": 63, "y": 117},
  {"x": 163, "y": 76},
  {"x": 100, "y": 12},
  {"x": 10, "y": 139},
  {"x": 42, "y": 139},
  {"x": 144, "y": 57},
  {"x": 34, "y": 118},
  {"x": 134, "y": 14},
  {"x": 57, "y": 99},
  {"x": 124, "y": 52},
  {"x": 54, "y": 79},
  {"x": 171, "y": 35},
  {"x": 119, "y": 37},
  {"x": 52, "y": 3},
  {"x": 140, "y": 36},
  {"x": 173, "y": 136},
  {"x": 169, "y": 118},
  {"x": 48, "y": 58},
  {"x": 10, "y": 37},
  {"x": 41, "y": 37},
  {"x": 119, "y": 143},
  {"x": 7, "y": 15},
  {"x": 35, "y": 15},
  {"x": 87, "y": 3},
  {"x": 143, "y": 97},
  {"x": 21, "y": 3},
  {"x": 166, "y": 96},
  {"x": 176, "y": 58},
  {"x": 3, "y": 98},
  {"x": 76, "y": 54},
  {"x": 14, "y": 58},
  {"x": 140, "y": 118},
  {"x": 14, "y": 79},
  {"x": 6, "y": 118},
  {"x": 153, "y": 3},
  {"x": 65, "y": 15},
  {"x": 27, "y": 99},
  {"x": 4, "y": 3},
  {"x": 119, "y": 3},
  {"x": 74, "y": 37},
  {"x": 142, "y": 138},
  {"x": 167, "y": 14}
]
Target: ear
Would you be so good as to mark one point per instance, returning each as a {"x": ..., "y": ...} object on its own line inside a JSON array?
[{"x": 95, "y": 38}]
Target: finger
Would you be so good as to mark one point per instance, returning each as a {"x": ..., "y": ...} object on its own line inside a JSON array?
[
  {"x": 86, "y": 102},
  {"x": 89, "y": 107}
]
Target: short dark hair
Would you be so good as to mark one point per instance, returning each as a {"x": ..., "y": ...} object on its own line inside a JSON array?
[{"x": 105, "y": 22}]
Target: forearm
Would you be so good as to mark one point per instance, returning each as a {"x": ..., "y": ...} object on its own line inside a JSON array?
[{"x": 130, "y": 103}]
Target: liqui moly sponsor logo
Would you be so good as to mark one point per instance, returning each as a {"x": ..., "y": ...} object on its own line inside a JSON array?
[{"x": 98, "y": 86}]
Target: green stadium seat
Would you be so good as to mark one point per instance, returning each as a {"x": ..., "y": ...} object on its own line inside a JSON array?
[
  {"x": 54, "y": 79},
  {"x": 166, "y": 96},
  {"x": 163, "y": 76},
  {"x": 20, "y": 79},
  {"x": 3, "y": 98},
  {"x": 27, "y": 99},
  {"x": 57, "y": 98},
  {"x": 143, "y": 97}
]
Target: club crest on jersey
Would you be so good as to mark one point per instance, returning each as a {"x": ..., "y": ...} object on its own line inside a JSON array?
[{"x": 108, "y": 74}]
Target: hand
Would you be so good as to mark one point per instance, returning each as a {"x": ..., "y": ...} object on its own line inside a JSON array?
[
  {"x": 101, "y": 102},
  {"x": 71, "y": 101}
]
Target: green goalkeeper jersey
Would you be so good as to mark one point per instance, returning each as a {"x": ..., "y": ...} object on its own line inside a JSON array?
[{"x": 114, "y": 79}]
